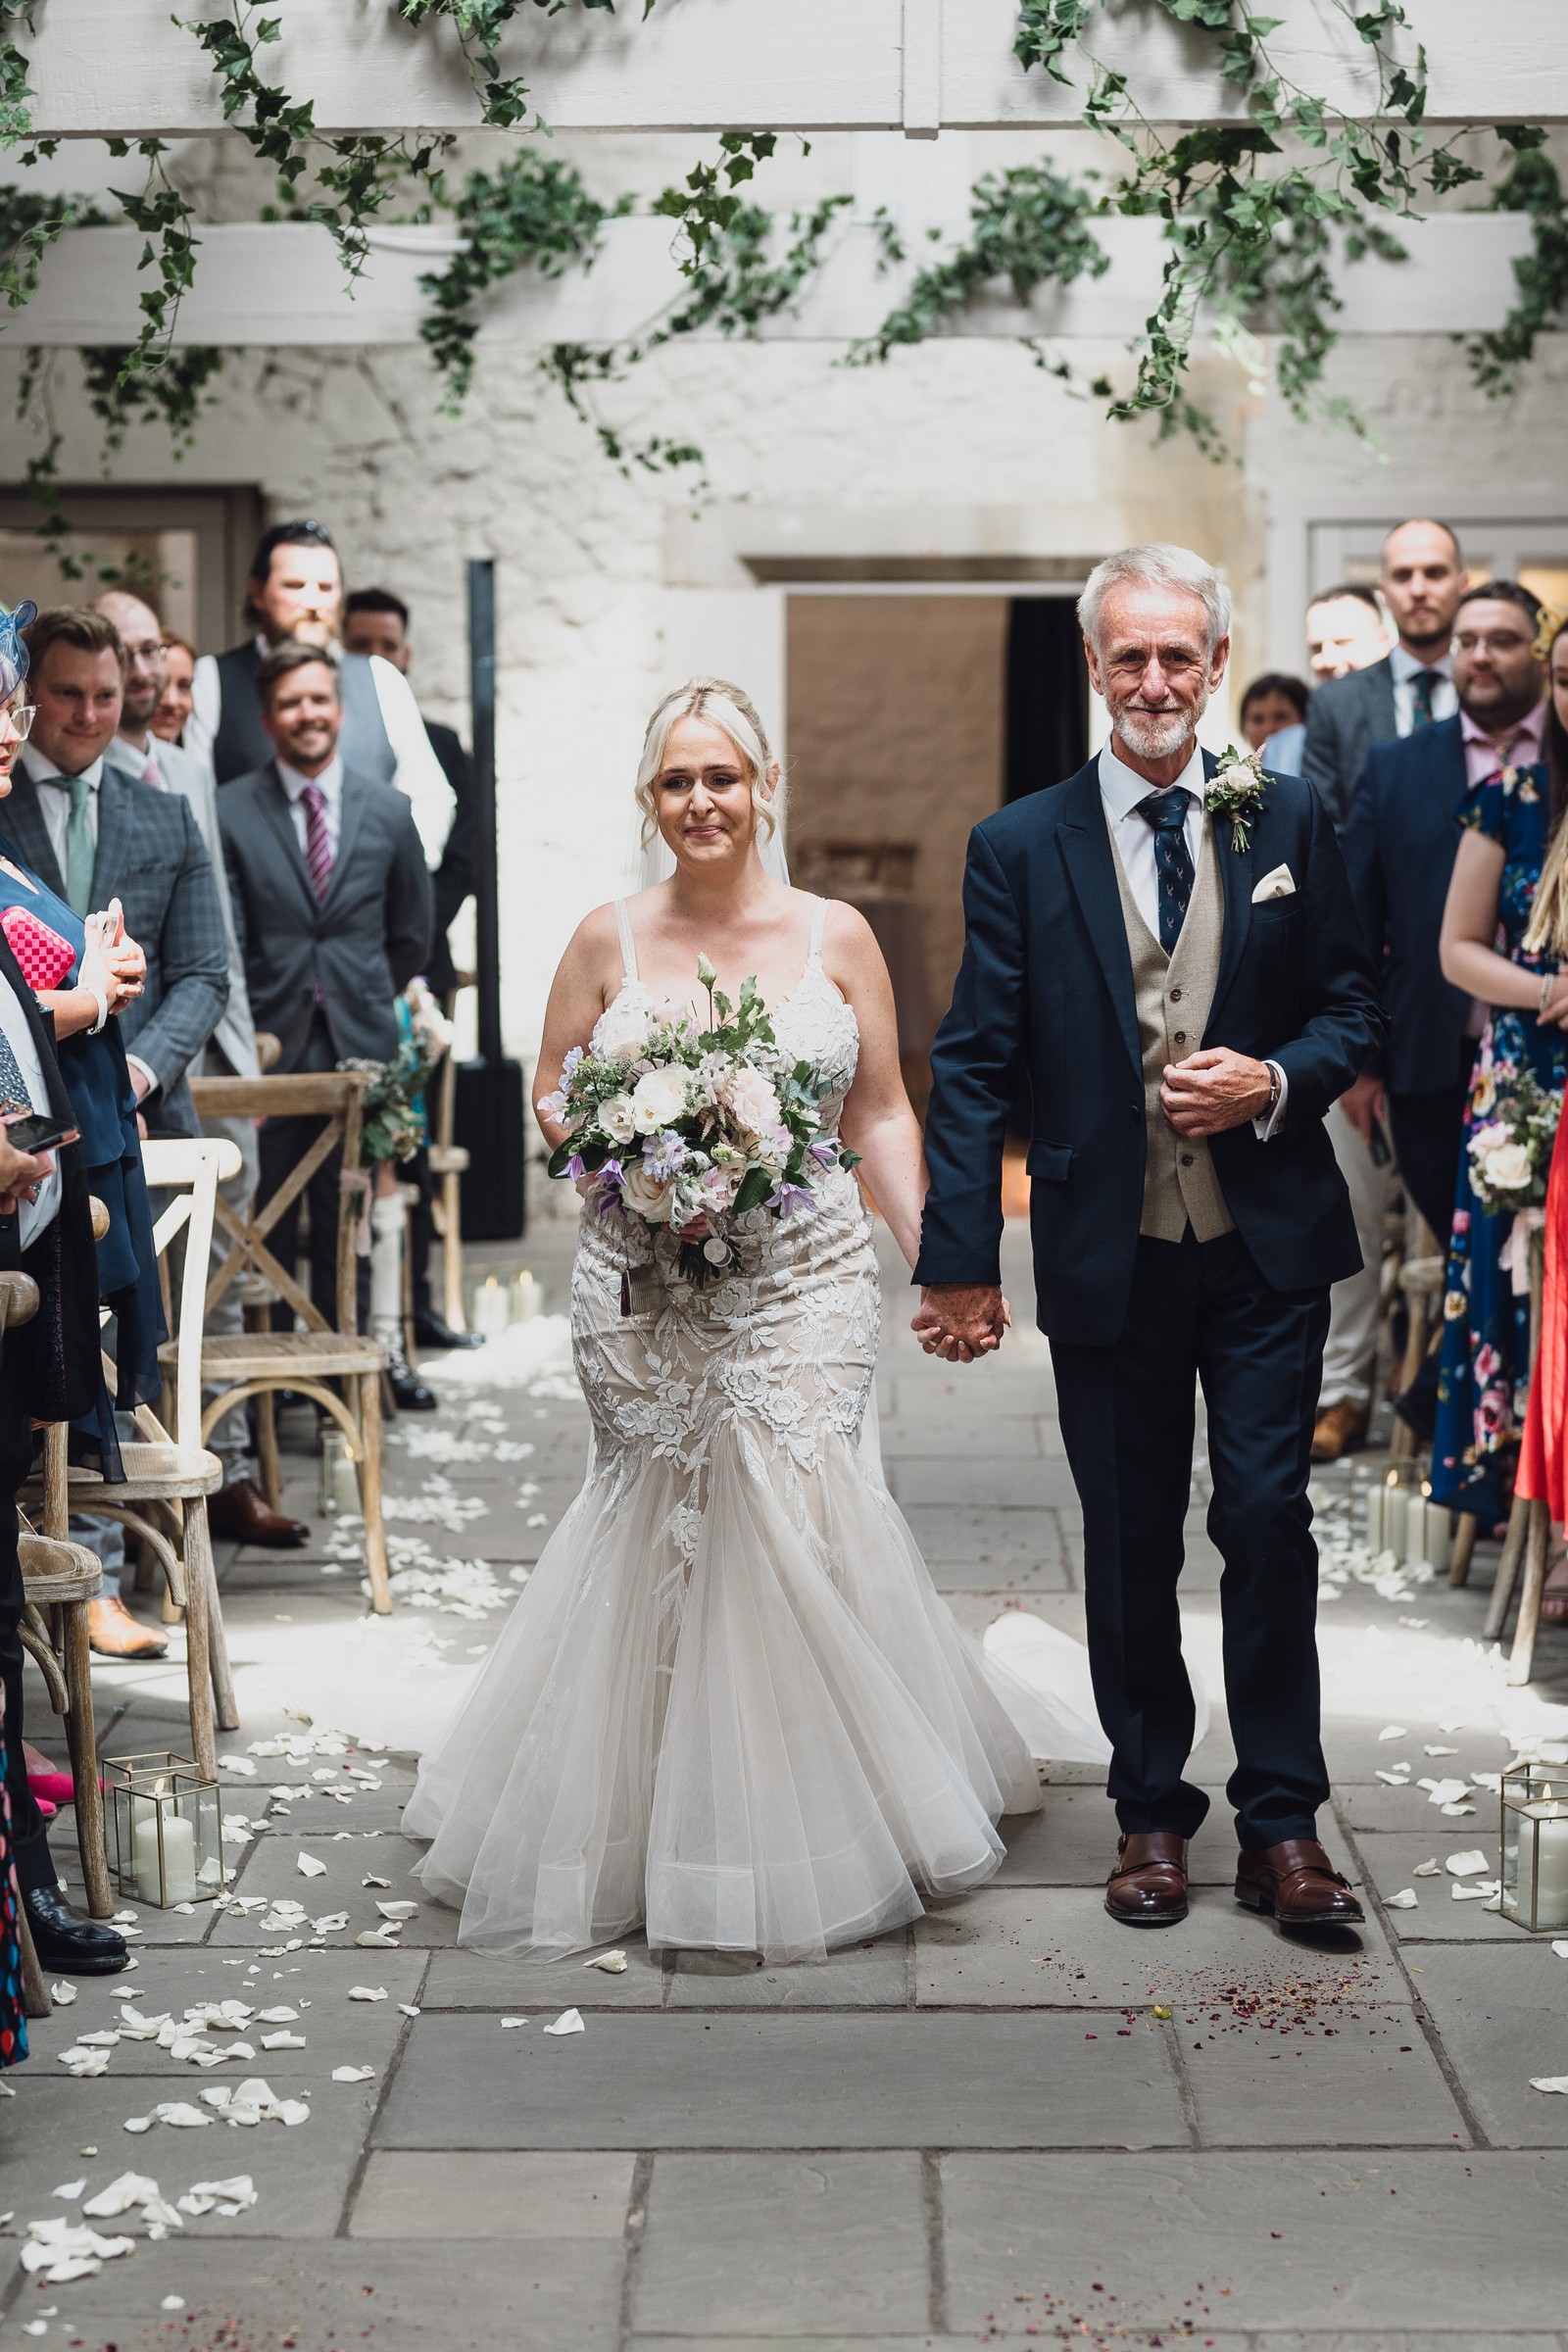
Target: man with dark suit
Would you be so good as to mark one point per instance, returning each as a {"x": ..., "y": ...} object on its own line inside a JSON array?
[
  {"x": 48, "y": 1372},
  {"x": 332, "y": 901},
  {"x": 1399, "y": 847},
  {"x": 1181, "y": 981},
  {"x": 375, "y": 622}
]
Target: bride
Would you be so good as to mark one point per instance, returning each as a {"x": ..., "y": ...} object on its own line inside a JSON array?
[{"x": 730, "y": 1704}]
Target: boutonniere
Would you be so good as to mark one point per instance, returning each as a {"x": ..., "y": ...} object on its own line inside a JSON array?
[{"x": 1237, "y": 790}]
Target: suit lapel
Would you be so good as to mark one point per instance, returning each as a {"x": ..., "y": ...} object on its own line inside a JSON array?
[
  {"x": 350, "y": 816},
  {"x": 116, "y": 823},
  {"x": 1237, "y": 869},
  {"x": 1090, "y": 860},
  {"x": 275, "y": 808},
  {"x": 21, "y": 817}
]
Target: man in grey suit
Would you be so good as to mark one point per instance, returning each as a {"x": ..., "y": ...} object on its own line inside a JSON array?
[
  {"x": 332, "y": 901},
  {"x": 240, "y": 1510}
]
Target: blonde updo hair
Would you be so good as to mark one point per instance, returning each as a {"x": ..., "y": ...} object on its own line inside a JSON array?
[{"x": 726, "y": 707}]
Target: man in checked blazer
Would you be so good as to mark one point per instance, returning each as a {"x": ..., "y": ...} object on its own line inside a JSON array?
[
  {"x": 93, "y": 832},
  {"x": 332, "y": 901}
]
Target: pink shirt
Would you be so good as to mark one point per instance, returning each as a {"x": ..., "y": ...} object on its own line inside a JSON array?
[{"x": 1484, "y": 755}]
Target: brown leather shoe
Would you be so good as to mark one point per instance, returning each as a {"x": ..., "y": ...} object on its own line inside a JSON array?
[
  {"x": 242, "y": 1514},
  {"x": 1148, "y": 1885},
  {"x": 114, "y": 1633},
  {"x": 1338, "y": 1428},
  {"x": 1297, "y": 1883}
]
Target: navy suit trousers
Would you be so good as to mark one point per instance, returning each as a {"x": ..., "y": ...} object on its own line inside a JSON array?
[{"x": 1203, "y": 1314}]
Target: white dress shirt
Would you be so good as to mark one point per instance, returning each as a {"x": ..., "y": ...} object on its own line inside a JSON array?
[
  {"x": 1445, "y": 694},
  {"x": 37, "y": 1214},
  {"x": 1132, "y": 837},
  {"x": 418, "y": 771},
  {"x": 53, "y": 798},
  {"x": 331, "y": 785}
]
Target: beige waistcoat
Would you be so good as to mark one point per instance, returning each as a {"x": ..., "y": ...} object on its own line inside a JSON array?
[{"x": 1174, "y": 995}]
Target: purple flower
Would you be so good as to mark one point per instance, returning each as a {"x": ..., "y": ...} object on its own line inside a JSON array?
[
  {"x": 664, "y": 1155},
  {"x": 574, "y": 1167},
  {"x": 824, "y": 1154},
  {"x": 793, "y": 1199}
]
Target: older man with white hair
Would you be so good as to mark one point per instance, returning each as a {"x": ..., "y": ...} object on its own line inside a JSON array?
[{"x": 1164, "y": 949}]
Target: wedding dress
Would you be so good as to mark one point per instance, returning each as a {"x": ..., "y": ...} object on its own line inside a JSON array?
[{"x": 730, "y": 1704}]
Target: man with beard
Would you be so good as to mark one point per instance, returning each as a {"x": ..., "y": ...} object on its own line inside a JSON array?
[{"x": 1169, "y": 960}]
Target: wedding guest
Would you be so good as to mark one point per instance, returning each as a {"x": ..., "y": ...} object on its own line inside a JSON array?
[
  {"x": 1421, "y": 581},
  {"x": 1346, "y": 629},
  {"x": 167, "y": 721},
  {"x": 1271, "y": 705},
  {"x": 332, "y": 901},
  {"x": 376, "y": 622},
  {"x": 239, "y": 1510},
  {"x": 295, "y": 589},
  {"x": 1485, "y": 1356}
]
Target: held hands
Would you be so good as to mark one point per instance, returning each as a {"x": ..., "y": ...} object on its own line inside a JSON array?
[
  {"x": 1366, "y": 1100},
  {"x": 112, "y": 964},
  {"x": 21, "y": 1174},
  {"x": 960, "y": 1320},
  {"x": 1214, "y": 1090}
]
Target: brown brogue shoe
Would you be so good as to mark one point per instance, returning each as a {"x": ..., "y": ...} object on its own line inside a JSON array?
[
  {"x": 1338, "y": 1429},
  {"x": 1297, "y": 1883},
  {"x": 241, "y": 1514},
  {"x": 1148, "y": 1884},
  {"x": 114, "y": 1633}
]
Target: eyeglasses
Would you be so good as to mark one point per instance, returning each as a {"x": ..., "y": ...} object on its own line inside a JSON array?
[
  {"x": 19, "y": 717},
  {"x": 1489, "y": 641}
]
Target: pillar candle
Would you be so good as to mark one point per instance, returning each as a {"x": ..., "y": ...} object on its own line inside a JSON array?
[
  {"x": 180, "y": 1860},
  {"x": 1544, "y": 1863},
  {"x": 492, "y": 1307}
]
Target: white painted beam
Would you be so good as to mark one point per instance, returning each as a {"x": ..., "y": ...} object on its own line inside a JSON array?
[
  {"x": 124, "y": 67},
  {"x": 281, "y": 284}
]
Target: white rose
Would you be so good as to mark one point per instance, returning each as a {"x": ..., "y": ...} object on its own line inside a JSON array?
[
  {"x": 658, "y": 1099},
  {"x": 622, "y": 1032},
  {"x": 1507, "y": 1167},
  {"x": 645, "y": 1195},
  {"x": 753, "y": 1099},
  {"x": 616, "y": 1119}
]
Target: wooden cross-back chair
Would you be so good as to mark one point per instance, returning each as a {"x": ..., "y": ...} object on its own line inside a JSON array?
[
  {"x": 259, "y": 1361},
  {"x": 162, "y": 1499},
  {"x": 58, "y": 1582}
]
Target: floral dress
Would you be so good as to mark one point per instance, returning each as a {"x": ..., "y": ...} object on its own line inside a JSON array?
[
  {"x": 1483, "y": 1383},
  {"x": 13, "y": 2019}
]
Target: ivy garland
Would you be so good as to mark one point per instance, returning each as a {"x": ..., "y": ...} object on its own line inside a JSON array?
[{"x": 1250, "y": 234}]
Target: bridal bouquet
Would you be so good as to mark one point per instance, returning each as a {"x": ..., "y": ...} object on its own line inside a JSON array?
[
  {"x": 671, "y": 1123},
  {"x": 1510, "y": 1156}
]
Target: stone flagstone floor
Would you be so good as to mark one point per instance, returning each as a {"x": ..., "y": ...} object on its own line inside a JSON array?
[{"x": 1015, "y": 2120}]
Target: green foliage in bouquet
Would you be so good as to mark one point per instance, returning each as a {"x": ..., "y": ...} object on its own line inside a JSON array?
[{"x": 1510, "y": 1156}]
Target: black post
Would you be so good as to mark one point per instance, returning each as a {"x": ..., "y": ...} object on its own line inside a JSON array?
[
  {"x": 489, "y": 1092},
  {"x": 486, "y": 900}
]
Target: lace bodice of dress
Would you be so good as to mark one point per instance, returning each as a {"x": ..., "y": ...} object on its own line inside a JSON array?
[{"x": 814, "y": 1023}]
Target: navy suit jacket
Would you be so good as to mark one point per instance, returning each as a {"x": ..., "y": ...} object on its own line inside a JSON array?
[
  {"x": 1046, "y": 994},
  {"x": 1404, "y": 831}
]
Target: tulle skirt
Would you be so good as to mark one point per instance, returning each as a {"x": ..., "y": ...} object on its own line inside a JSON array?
[{"x": 730, "y": 1706}]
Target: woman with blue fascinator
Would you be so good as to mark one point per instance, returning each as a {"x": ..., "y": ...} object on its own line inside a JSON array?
[{"x": 83, "y": 970}]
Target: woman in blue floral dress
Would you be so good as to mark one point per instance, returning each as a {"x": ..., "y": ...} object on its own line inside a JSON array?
[{"x": 1483, "y": 1383}]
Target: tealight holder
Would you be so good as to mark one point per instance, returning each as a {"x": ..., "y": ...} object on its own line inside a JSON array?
[
  {"x": 1535, "y": 1847},
  {"x": 166, "y": 1830}
]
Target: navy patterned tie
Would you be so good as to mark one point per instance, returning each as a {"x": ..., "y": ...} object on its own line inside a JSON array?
[
  {"x": 1423, "y": 686},
  {"x": 1167, "y": 811}
]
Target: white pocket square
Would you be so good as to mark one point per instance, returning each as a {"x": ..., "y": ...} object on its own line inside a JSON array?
[{"x": 1277, "y": 885}]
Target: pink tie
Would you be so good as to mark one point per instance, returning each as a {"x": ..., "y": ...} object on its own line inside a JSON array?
[
  {"x": 317, "y": 848},
  {"x": 153, "y": 774}
]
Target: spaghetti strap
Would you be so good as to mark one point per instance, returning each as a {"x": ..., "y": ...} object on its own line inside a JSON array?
[
  {"x": 628, "y": 945},
  {"x": 818, "y": 921}
]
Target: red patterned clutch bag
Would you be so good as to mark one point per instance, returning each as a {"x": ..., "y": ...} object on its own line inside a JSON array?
[{"x": 44, "y": 956}]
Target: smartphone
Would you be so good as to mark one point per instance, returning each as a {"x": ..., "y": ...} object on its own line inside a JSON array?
[{"x": 38, "y": 1131}]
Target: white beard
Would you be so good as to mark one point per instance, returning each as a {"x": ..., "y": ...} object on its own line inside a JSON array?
[{"x": 1156, "y": 734}]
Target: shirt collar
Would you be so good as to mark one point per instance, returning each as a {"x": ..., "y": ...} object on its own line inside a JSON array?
[
  {"x": 1405, "y": 666},
  {"x": 42, "y": 769},
  {"x": 330, "y": 780},
  {"x": 1122, "y": 788},
  {"x": 1523, "y": 738}
]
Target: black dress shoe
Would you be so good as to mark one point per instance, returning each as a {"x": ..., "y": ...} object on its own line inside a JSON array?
[
  {"x": 63, "y": 1940},
  {"x": 430, "y": 1332},
  {"x": 410, "y": 1392}
]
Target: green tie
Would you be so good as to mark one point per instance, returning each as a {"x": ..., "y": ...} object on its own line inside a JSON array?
[{"x": 78, "y": 845}]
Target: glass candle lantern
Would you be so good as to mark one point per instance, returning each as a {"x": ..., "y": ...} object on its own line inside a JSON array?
[
  {"x": 166, "y": 1830},
  {"x": 1535, "y": 1847},
  {"x": 1396, "y": 1510}
]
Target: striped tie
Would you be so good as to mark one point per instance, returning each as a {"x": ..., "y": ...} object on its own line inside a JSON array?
[{"x": 318, "y": 845}]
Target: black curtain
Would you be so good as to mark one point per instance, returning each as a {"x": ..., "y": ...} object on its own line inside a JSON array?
[{"x": 1048, "y": 694}]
